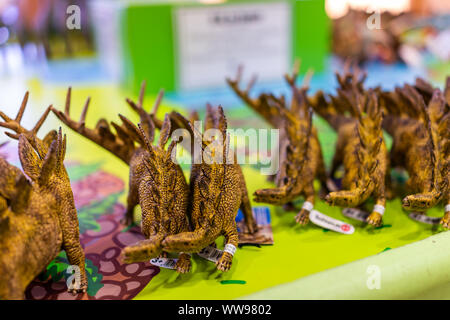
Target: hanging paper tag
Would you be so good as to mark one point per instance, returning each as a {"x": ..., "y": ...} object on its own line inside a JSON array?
[
  {"x": 327, "y": 222},
  {"x": 421, "y": 217},
  {"x": 167, "y": 263},
  {"x": 356, "y": 214},
  {"x": 210, "y": 253}
]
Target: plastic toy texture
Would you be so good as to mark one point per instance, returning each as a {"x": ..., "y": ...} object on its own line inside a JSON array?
[
  {"x": 156, "y": 183},
  {"x": 301, "y": 158},
  {"x": 418, "y": 119},
  {"x": 218, "y": 190},
  {"x": 356, "y": 116},
  {"x": 38, "y": 217}
]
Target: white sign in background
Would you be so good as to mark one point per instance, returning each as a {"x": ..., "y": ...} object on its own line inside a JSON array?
[{"x": 214, "y": 41}]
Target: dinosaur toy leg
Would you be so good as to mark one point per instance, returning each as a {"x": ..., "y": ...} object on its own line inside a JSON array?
[
  {"x": 143, "y": 250},
  {"x": 231, "y": 240},
  {"x": 132, "y": 202},
  {"x": 376, "y": 217},
  {"x": 272, "y": 196},
  {"x": 421, "y": 201},
  {"x": 302, "y": 217},
  {"x": 345, "y": 198},
  {"x": 75, "y": 254},
  {"x": 183, "y": 264},
  {"x": 189, "y": 242},
  {"x": 71, "y": 244}
]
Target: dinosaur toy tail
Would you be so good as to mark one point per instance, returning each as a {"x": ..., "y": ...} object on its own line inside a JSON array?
[
  {"x": 188, "y": 242},
  {"x": 143, "y": 250},
  {"x": 347, "y": 198},
  {"x": 421, "y": 201}
]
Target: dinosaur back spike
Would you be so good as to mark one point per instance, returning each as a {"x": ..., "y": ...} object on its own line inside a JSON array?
[{"x": 447, "y": 91}]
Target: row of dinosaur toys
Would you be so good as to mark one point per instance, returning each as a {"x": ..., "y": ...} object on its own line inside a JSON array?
[
  {"x": 176, "y": 217},
  {"x": 417, "y": 118},
  {"x": 38, "y": 217},
  {"x": 301, "y": 159},
  {"x": 184, "y": 219}
]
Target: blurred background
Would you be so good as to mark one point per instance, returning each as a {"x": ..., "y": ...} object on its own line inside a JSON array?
[{"x": 105, "y": 48}]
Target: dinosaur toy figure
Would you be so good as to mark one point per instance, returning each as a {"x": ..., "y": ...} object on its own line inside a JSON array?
[
  {"x": 421, "y": 143},
  {"x": 38, "y": 217},
  {"x": 218, "y": 190},
  {"x": 301, "y": 158},
  {"x": 356, "y": 116},
  {"x": 156, "y": 183}
]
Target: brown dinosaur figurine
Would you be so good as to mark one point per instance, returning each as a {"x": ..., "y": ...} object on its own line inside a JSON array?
[
  {"x": 218, "y": 190},
  {"x": 156, "y": 183},
  {"x": 356, "y": 116},
  {"x": 301, "y": 159},
  {"x": 421, "y": 143},
  {"x": 38, "y": 217}
]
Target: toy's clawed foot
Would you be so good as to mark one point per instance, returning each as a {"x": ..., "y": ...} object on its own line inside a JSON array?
[
  {"x": 78, "y": 288},
  {"x": 224, "y": 263},
  {"x": 375, "y": 219},
  {"x": 183, "y": 264},
  {"x": 445, "y": 221},
  {"x": 302, "y": 217}
]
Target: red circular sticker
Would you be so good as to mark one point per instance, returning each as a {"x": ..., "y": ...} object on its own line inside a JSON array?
[{"x": 345, "y": 227}]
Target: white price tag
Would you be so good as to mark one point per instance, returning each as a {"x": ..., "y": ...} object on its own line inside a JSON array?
[
  {"x": 329, "y": 223},
  {"x": 356, "y": 214},
  {"x": 167, "y": 263},
  {"x": 421, "y": 217},
  {"x": 210, "y": 253}
]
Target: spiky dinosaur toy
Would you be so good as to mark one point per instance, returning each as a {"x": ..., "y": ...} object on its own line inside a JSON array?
[
  {"x": 156, "y": 183},
  {"x": 301, "y": 158},
  {"x": 38, "y": 217},
  {"x": 218, "y": 190},
  {"x": 421, "y": 143},
  {"x": 357, "y": 118}
]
